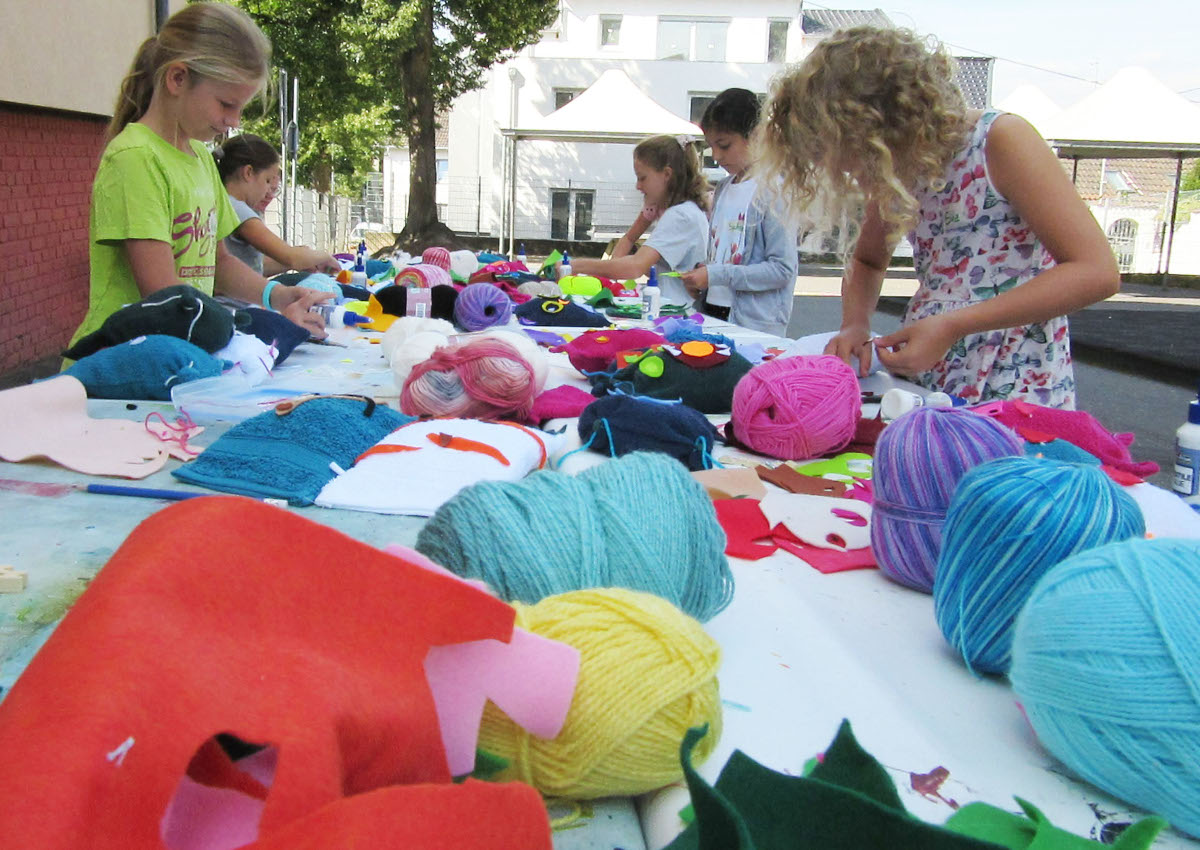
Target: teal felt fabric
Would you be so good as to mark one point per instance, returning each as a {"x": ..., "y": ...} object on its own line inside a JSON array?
[
  {"x": 144, "y": 368},
  {"x": 289, "y": 457}
]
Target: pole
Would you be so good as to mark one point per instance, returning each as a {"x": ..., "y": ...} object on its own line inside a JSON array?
[
  {"x": 1171, "y": 222},
  {"x": 283, "y": 140},
  {"x": 512, "y": 201},
  {"x": 294, "y": 141}
]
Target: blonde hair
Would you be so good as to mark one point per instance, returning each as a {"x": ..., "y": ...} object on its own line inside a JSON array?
[
  {"x": 687, "y": 182},
  {"x": 870, "y": 112},
  {"x": 215, "y": 42}
]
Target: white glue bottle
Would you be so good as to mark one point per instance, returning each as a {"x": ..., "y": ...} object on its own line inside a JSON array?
[
  {"x": 565, "y": 267},
  {"x": 651, "y": 296},
  {"x": 521, "y": 257},
  {"x": 1187, "y": 457}
]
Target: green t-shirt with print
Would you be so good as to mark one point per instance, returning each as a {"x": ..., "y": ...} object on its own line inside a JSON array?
[{"x": 146, "y": 188}]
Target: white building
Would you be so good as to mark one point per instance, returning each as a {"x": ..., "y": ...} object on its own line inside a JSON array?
[{"x": 679, "y": 54}]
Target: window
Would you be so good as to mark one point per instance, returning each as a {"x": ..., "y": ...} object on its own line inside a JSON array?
[
  {"x": 564, "y": 96},
  {"x": 700, "y": 39},
  {"x": 610, "y": 30},
  {"x": 571, "y": 214},
  {"x": 443, "y": 168},
  {"x": 777, "y": 33},
  {"x": 558, "y": 27},
  {"x": 1122, "y": 236}
]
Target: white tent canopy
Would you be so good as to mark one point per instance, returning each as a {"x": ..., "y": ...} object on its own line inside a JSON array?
[
  {"x": 612, "y": 109},
  {"x": 1134, "y": 114},
  {"x": 1032, "y": 104}
]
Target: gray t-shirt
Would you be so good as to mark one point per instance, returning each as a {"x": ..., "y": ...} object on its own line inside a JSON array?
[
  {"x": 681, "y": 240},
  {"x": 239, "y": 248}
]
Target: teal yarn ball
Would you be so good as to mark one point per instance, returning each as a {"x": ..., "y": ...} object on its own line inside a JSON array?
[
  {"x": 1009, "y": 522},
  {"x": 639, "y": 522},
  {"x": 1106, "y": 662}
]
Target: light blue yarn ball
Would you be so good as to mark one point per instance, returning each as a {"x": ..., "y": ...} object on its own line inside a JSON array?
[
  {"x": 1106, "y": 662},
  {"x": 1009, "y": 522},
  {"x": 639, "y": 522}
]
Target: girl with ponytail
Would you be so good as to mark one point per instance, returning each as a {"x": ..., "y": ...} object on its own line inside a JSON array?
[
  {"x": 670, "y": 180},
  {"x": 159, "y": 208}
]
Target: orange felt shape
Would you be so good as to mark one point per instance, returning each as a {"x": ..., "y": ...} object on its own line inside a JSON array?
[
  {"x": 222, "y": 614},
  {"x": 470, "y": 816}
]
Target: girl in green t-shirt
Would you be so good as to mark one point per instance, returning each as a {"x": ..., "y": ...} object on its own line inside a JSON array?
[{"x": 159, "y": 209}]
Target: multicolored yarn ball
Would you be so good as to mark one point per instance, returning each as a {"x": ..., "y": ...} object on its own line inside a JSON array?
[
  {"x": 797, "y": 407},
  {"x": 919, "y": 460},
  {"x": 647, "y": 674},
  {"x": 1106, "y": 664},
  {"x": 422, "y": 275},
  {"x": 639, "y": 521},
  {"x": 529, "y": 350},
  {"x": 481, "y": 379},
  {"x": 439, "y": 257},
  {"x": 482, "y": 305},
  {"x": 1009, "y": 522}
]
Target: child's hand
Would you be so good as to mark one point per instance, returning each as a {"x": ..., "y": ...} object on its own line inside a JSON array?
[
  {"x": 294, "y": 303},
  {"x": 853, "y": 341},
  {"x": 695, "y": 281},
  {"x": 917, "y": 347},
  {"x": 319, "y": 261}
]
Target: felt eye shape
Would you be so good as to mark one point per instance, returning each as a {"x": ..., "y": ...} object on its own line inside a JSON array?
[
  {"x": 697, "y": 348},
  {"x": 651, "y": 366},
  {"x": 556, "y": 305}
]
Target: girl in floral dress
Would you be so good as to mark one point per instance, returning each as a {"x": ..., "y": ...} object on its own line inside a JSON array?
[{"x": 1002, "y": 244}]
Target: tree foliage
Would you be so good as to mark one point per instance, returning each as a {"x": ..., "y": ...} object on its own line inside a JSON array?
[
  {"x": 1191, "y": 180},
  {"x": 355, "y": 61}
]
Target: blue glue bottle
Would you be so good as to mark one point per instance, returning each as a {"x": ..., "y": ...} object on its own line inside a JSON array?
[
  {"x": 337, "y": 316},
  {"x": 566, "y": 266},
  {"x": 651, "y": 296},
  {"x": 521, "y": 258},
  {"x": 360, "y": 259},
  {"x": 1186, "y": 482}
]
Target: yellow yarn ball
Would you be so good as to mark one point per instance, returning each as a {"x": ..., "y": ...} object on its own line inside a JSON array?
[{"x": 647, "y": 673}]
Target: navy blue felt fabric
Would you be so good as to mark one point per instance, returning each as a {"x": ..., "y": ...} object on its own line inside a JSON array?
[{"x": 643, "y": 424}]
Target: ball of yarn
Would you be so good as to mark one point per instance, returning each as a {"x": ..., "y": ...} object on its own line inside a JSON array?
[
  {"x": 529, "y": 350},
  {"x": 422, "y": 274},
  {"x": 1106, "y": 663},
  {"x": 1009, "y": 522},
  {"x": 797, "y": 407},
  {"x": 481, "y": 379},
  {"x": 439, "y": 257},
  {"x": 482, "y": 305},
  {"x": 463, "y": 264},
  {"x": 405, "y": 328},
  {"x": 919, "y": 460},
  {"x": 639, "y": 521},
  {"x": 647, "y": 673}
]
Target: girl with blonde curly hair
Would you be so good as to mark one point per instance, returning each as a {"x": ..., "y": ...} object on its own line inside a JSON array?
[
  {"x": 676, "y": 196},
  {"x": 1003, "y": 246}
]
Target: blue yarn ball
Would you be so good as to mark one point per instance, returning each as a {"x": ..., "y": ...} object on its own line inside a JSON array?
[
  {"x": 639, "y": 522},
  {"x": 1010, "y": 521},
  {"x": 1106, "y": 662}
]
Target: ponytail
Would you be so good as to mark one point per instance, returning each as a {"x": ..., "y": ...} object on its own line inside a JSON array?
[
  {"x": 215, "y": 42},
  {"x": 242, "y": 150},
  {"x": 687, "y": 182},
  {"x": 136, "y": 89}
]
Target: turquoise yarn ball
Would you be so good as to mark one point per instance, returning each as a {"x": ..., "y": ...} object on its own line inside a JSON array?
[
  {"x": 1106, "y": 662},
  {"x": 1009, "y": 522},
  {"x": 639, "y": 522}
]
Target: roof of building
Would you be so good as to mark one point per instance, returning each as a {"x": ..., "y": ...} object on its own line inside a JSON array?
[
  {"x": 825, "y": 21},
  {"x": 974, "y": 77}
]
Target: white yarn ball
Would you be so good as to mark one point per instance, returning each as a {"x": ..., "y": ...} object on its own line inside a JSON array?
[
  {"x": 406, "y": 327},
  {"x": 463, "y": 264},
  {"x": 416, "y": 349}
]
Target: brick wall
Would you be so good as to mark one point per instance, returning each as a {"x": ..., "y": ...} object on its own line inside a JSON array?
[{"x": 47, "y": 162}]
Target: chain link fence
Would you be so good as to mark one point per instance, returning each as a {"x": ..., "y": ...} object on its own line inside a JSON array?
[{"x": 314, "y": 219}]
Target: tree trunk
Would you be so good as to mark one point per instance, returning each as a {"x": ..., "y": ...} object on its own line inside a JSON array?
[{"x": 416, "y": 70}]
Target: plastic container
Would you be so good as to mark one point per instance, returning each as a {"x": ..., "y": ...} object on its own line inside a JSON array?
[
  {"x": 566, "y": 266},
  {"x": 360, "y": 258},
  {"x": 1187, "y": 457},
  {"x": 897, "y": 402},
  {"x": 651, "y": 296},
  {"x": 521, "y": 258},
  {"x": 225, "y": 398},
  {"x": 337, "y": 316}
]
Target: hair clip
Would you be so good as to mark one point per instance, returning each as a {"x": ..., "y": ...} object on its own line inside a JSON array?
[{"x": 684, "y": 140}]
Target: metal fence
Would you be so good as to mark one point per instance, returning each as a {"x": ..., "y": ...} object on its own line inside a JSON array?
[{"x": 319, "y": 221}]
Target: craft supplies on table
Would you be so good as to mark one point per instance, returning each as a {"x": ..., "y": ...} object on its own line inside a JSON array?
[{"x": 801, "y": 650}]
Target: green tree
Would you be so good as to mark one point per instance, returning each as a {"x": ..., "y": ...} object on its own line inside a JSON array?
[
  {"x": 375, "y": 70},
  {"x": 1191, "y": 180}
]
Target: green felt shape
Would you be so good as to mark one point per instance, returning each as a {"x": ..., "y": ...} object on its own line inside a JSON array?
[
  {"x": 1035, "y": 832},
  {"x": 651, "y": 366},
  {"x": 604, "y": 296},
  {"x": 624, "y": 311},
  {"x": 848, "y": 765},
  {"x": 550, "y": 260},
  {"x": 847, "y": 465},
  {"x": 754, "y": 808},
  {"x": 487, "y": 766}
]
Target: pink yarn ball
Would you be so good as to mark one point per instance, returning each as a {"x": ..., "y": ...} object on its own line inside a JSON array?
[
  {"x": 439, "y": 257},
  {"x": 485, "y": 378},
  {"x": 797, "y": 407}
]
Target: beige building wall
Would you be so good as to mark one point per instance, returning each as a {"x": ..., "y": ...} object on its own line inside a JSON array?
[{"x": 71, "y": 54}]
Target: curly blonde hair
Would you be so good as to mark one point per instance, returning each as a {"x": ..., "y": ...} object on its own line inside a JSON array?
[
  {"x": 870, "y": 114},
  {"x": 687, "y": 182}
]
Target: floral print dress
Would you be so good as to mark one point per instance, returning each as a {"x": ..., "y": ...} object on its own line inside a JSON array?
[{"x": 970, "y": 245}]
